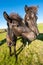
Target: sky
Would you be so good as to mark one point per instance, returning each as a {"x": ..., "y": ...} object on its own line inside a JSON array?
[{"x": 17, "y": 6}]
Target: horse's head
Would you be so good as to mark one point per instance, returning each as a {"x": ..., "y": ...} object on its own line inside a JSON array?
[
  {"x": 12, "y": 20},
  {"x": 31, "y": 18}
]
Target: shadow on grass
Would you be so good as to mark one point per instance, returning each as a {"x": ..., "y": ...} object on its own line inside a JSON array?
[
  {"x": 40, "y": 37},
  {"x": 22, "y": 47},
  {"x": 2, "y": 32},
  {"x": 2, "y": 41},
  {"x": 24, "y": 41}
]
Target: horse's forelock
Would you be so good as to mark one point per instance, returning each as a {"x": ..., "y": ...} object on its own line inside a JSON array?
[
  {"x": 31, "y": 8},
  {"x": 15, "y": 16}
]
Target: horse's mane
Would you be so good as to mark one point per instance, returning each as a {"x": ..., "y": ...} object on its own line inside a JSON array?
[{"x": 34, "y": 8}]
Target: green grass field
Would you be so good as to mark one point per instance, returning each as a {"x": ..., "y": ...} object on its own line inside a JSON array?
[{"x": 31, "y": 54}]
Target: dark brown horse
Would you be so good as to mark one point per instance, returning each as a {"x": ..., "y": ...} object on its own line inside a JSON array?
[
  {"x": 31, "y": 14},
  {"x": 16, "y": 27}
]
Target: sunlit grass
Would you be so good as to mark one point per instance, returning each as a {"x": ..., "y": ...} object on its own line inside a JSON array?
[
  {"x": 40, "y": 27},
  {"x": 31, "y": 54},
  {"x": 2, "y": 36}
]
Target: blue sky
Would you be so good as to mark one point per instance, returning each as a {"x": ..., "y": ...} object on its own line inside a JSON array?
[{"x": 17, "y": 6}]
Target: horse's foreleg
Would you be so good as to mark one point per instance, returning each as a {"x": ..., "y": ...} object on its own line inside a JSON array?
[
  {"x": 10, "y": 50},
  {"x": 14, "y": 43},
  {"x": 9, "y": 45}
]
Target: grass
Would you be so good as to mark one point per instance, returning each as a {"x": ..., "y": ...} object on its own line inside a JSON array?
[
  {"x": 31, "y": 54},
  {"x": 40, "y": 27}
]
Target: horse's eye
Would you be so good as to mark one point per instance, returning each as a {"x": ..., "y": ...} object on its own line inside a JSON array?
[{"x": 10, "y": 21}]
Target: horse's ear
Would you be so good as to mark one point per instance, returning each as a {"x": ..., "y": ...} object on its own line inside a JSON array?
[
  {"x": 26, "y": 8},
  {"x": 6, "y": 16},
  {"x": 37, "y": 6}
]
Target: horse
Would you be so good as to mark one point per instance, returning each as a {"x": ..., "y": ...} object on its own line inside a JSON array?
[
  {"x": 31, "y": 14},
  {"x": 16, "y": 27}
]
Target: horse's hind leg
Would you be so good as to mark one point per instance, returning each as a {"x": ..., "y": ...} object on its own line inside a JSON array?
[
  {"x": 24, "y": 41},
  {"x": 15, "y": 49}
]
